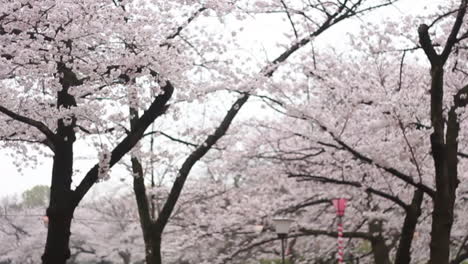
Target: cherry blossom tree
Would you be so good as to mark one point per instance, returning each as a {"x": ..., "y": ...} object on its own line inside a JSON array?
[
  {"x": 361, "y": 133},
  {"x": 370, "y": 129},
  {"x": 444, "y": 141},
  {"x": 61, "y": 60},
  {"x": 328, "y": 15}
]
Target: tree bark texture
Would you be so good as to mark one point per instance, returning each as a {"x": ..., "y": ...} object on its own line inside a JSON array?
[
  {"x": 63, "y": 200},
  {"x": 444, "y": 144},
  {"x": 60, "y": 210},
  {"x": 444, "y": 153},
  {"x": 413, "y": 211}
]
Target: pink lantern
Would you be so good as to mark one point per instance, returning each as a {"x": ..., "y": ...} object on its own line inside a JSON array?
[{"x": 340, "y": 206}]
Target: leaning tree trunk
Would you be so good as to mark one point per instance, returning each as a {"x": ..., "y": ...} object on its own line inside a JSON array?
[{"x": 413, "y": 211}]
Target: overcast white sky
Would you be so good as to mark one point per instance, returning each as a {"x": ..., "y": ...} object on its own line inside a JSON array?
[{"x": 255, "y": 37}]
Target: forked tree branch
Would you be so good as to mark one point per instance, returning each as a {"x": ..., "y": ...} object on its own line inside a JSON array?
[
  {"x": 156, "y": 109},
  {"x": 31, "y": 122},
  {"x": 452, "y": 38},
  {"x": 402, "y": 176}
]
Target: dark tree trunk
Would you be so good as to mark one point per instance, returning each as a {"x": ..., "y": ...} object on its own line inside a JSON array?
[
  {"x": 151, "y": 238},
  {"x": 58, "y": 236},
  {"x": 63, "y": 200},
  {"x": 156, "y": 249},
  {"x": 60, "y": 210},
  {"x": 153, "y": 228},
  {"x": 444, "y": 144},
  {"x": 379, "y": 248},
  {"x": 403, "y": 254},
  {"x": 444, "y": 153}
]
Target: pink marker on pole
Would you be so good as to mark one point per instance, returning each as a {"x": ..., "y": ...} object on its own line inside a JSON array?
[{"x": 340, "y": 206}]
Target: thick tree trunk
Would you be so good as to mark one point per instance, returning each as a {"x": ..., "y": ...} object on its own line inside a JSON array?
[
  {"x": 442, "y": 215},
  {"x": 442, "y": 220},
  {"x": 403, "y": 254},
  {"x": 444, "y": 153},
  {"x": 60, "y": 211},
  {"x": 57, "y": 249},
  {"x": 63, "y": 200},
  {"x": 156, "y": 249},
  {"x": 444, "y": 144}
]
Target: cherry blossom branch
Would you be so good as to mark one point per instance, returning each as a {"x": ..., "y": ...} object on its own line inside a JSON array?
[
  {"x": 330, "y": 21},
  {"x": 46, "y": 142},
  {"x": 307, "y": 177},
  {"x": 196, "y": 155},
  {"x": 171, "y": 138},
  {"x": 352, "y": 234},
  {"x": 220, "y": 131},
  {"x": 442, "y": 16},
  {"x": 400, "y": 75},
  {"x": 406, "y": 178},
  {"x": 282, "y": 155},
  {"x": 28, "y": 121},
  {"x": 108, "y": 130},
  {"x": 124, "y": 77},
  {"x": 391, "y": 170},
  {"x": 426, "y": 44},
  {"x": 156, "y": 109},
  {"x": 305, "y": 204},
  {"x": 180, "y": 28},
  {"x": 290, "y": 18},
  {"x": 413, "y": 155},
  {"x": 452, "y": 38}
]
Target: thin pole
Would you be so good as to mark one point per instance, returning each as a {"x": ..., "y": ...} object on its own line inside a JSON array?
[
  {"x": 340, "y": 240},
  {"x": 282, "y": 250}
]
